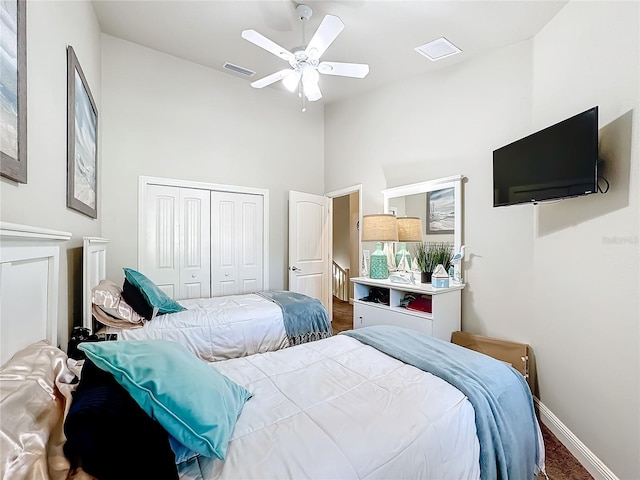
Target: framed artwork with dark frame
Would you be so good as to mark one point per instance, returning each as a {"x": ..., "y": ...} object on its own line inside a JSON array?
[
  {"x": 13, "y": 90},
  {"x": 82, "y": 141},
  {"x": 440, "y": 211}
]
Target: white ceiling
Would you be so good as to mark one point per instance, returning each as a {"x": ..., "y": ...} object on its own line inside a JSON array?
[{"x": 382, "y": 34}]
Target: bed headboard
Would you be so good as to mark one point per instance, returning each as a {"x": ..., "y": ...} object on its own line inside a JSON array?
[
  {"x": 94, "y": 269},
  {"x": 29, "y": 266}
]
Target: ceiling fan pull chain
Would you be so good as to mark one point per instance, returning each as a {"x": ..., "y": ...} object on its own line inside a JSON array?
[{"x": 303, "y": 98}]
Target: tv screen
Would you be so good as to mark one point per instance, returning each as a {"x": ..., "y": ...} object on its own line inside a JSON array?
[{"x": 557, "y": 162}]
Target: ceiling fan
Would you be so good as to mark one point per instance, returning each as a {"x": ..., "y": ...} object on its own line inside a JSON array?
[{"x": 305, "y": 60}]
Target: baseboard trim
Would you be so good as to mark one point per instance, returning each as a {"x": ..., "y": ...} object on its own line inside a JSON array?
[{"x": 597, "y": 469}]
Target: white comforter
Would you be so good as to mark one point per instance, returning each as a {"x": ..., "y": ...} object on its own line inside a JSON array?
[
  {"x": 338, "y": 409},
  {"x": 218, "y": 328}
]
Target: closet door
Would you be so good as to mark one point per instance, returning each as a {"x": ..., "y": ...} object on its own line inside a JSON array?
[
  {"x": 195, "y": 234},
  {"x": 159, "y": 254},
  {"x": 237, "y": 223},
  {"x": 175, "y": 240}
]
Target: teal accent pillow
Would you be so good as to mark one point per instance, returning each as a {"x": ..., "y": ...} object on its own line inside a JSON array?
[
  {"x": 150, "y": 291},
  {"x": 195, "y": 404}
]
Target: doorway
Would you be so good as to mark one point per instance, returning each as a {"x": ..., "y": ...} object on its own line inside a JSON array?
[{"x": 345, "y": 253}]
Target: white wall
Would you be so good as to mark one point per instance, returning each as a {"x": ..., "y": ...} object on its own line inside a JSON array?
[
  {"x": 440, "y": 125},
  {"x": 166, "y": 117},
  {"x": 562, "y": 277},
  {"x": 586, "y": 313},
  {"x": 42, "y": 202}
]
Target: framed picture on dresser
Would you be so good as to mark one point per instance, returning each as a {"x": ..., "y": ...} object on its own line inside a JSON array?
[
  {"x": 82, "y": 141},
  {"x": 13, "y": 90}
]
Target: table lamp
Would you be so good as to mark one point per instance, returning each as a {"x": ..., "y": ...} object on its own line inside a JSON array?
[
  {"x": 409, "y": 230},
  {"x": 380, "y": 227}
]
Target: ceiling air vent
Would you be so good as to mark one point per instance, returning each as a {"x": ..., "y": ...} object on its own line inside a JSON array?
[
  {"x": 237, "y": 69},
  {"x": 438, "y": 49}
]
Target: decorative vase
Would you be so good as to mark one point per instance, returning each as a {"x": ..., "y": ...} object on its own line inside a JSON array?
[
  {"x": 403, "y": 254},
  {"x": 378, "y": 264},
  {"x": 425, "y": 277}
]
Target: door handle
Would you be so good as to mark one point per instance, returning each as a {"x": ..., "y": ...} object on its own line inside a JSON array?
[{"x": 295, "y": 269}]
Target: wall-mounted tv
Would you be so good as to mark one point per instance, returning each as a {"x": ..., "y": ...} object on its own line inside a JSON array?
[{"x": 559, "y": 161}]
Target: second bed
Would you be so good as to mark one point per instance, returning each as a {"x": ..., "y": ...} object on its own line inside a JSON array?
[{"x": 216, "y": 328}]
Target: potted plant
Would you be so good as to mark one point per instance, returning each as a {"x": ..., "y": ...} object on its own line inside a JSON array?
[{"x": 429, "y": 254}]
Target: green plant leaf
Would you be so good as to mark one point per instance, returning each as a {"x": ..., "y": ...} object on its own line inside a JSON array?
[{"x": 429, "y": 255}]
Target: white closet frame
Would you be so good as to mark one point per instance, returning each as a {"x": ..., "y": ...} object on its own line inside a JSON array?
[{"x": 144, "y": 181}]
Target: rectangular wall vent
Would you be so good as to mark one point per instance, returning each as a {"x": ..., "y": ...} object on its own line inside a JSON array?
[
  {"x": 238, "y": 69},
  {"x": 438, "y": 49}
]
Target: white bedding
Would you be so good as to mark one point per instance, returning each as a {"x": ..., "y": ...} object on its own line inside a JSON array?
[
  {"x": 218, "y": 328},
  {"x": 364, "y": 415}
]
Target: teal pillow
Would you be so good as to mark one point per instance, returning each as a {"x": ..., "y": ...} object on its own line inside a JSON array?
[
  {"x": 156, "y": 297},
  {"x": 194, "y": 403}
]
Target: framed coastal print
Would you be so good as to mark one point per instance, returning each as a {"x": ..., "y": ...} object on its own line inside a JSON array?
[
  {"x": 440, "y": 211},
  {"x": 13, "y": 90},
  {"x": 82, "y": 141}
]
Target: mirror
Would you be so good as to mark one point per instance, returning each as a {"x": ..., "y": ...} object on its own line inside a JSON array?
[{"x": 438, "y": 203}]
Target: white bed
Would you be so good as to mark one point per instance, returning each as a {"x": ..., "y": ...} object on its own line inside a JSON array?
[
  {"x": 218, "y": 328},
  {"x": 29, "y": 263},
  {"x": 360, "y": 414},
  {"x": 215, "y": 328},
  {"x": 334, "y": 408}
]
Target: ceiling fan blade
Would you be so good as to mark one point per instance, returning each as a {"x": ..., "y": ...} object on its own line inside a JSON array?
[
  {"x": 311, "y": 90},
  {"x": 270, "y": 46},
  {"x": 329, "y": 29},
  {"x": 269, "y": 79},
  {"x": 357, "y": 70}
]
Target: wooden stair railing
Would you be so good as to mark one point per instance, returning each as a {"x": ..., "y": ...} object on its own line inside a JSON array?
[{"x": 340, "y": 278}]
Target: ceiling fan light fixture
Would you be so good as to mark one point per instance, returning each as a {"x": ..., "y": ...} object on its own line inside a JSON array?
[
  {"x": 291, "y": 81},
  {"x": 310, "y": 75},
  {"x": 310, "y": 85}
]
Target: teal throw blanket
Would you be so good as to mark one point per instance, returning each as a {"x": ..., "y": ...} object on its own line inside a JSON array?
[
  {"x": 506, "y": 424},
  {"x": 305, "y": 318}
]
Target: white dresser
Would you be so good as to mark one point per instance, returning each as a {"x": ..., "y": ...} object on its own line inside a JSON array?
[{"x": 443, "y": 319}]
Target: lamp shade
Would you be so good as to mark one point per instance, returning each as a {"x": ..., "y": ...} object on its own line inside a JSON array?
[
  {"x": 409, "y": 229},
  {"x": 380, "y": 227}
]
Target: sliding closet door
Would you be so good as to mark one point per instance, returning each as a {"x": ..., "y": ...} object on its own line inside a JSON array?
[
  {"x": 175, "y": 240},
  {"x": 237, "y": 223}
]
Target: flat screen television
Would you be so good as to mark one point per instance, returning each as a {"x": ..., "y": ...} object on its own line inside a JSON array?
[{"x": 559, "y": 161}]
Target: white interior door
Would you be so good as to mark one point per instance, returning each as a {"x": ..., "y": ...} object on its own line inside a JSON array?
[
  {"x": 237, "y": 252},
  {"x": 195, "y": 233},
  {"x": 159, "y": 254},
  {"x": 174, "y": 242},
  {"x": 202, "y": 239},
  {"x": 309, "y": 256}
]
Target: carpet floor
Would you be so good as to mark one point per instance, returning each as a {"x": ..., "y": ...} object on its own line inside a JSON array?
[{"x": 560, "y": 464}]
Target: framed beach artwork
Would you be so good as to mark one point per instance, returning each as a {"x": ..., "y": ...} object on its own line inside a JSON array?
[
  {"x": 13, "y": 90},
  {"x": 82, "y": 141},
  {"x": 440, "y": 211}
]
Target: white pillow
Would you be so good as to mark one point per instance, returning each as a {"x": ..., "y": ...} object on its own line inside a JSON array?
[{"x": 108, "y": 297}]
